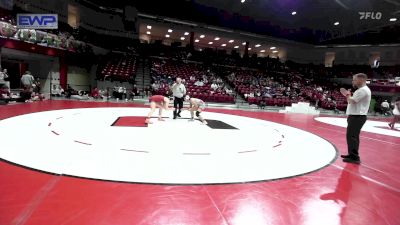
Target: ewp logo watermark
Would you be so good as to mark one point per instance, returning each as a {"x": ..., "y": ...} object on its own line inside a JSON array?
[
  {"x": 37, "y": 21},
  {"x": 370, "y": 15}
]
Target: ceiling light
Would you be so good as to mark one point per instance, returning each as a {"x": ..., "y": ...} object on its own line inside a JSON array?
[
  {"x": 182, "y": 38},
  {"x": 148, "y": 27},
  {"x": 223, "y": 45},
  {"x": 336, "y": 23},
  {"x": 294, "y": 13},
  {"x": 197, "y": 40},
  {"x": 242, "y": 1},
  {"x": 169, "y": 30},
  {"x": 231, "y": 41},
  {"x": 258, "y": 45},
  {"x": 393, "y": 19},
  {"x": 217, "y": 38},
  {"x": 210, "y": 43},
  {"x": 186, "y": 33},
  {"x": 272, "y": 48},
  {"x": 249, "y": 49},
  {"x": 262, "y": 50},
  {"x": 167, "y": 35},
  {"x": 148, "y": 32},
  {"x": 237, "y": 46},
  {"x": 275, "y": 51},
  {"x": 202, "y": 36},
  {"x": 244, "y": 43}
]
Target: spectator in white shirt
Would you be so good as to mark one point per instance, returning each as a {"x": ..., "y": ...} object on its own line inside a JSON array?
[
  {"x": 27, "y": 80},
  {"x": 228, "y": 91},
  {"x": 214, "y": 86},
  {"x": 3, "y": 76},
  {"x": 57, "y": 90},
  {"x": 199, "y": 83},
  {"x": 385, "y": 104},
  {"x": 155, "y": 86},
  {"x": 385, "y": 107}
]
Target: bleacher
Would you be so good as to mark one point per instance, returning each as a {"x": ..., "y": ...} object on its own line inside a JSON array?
[
  {"x": 164, "y": 74},
  {"x": 118, "y": 67}
]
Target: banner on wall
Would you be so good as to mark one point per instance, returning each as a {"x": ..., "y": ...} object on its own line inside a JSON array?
[{"x": 37, "y": 21}]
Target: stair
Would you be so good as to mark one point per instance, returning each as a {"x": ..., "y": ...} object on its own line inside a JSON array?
[
  {"x": 239, "y": 101},
  {"x": 143, "y": 76}
]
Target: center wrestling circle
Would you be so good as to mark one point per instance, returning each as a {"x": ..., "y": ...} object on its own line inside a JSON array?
[{"x": 84, "y": 143}]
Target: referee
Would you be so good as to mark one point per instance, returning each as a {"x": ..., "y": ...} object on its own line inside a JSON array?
[
  {"x": 357, "y": 109},
  {"x": 178, "y": 91}
]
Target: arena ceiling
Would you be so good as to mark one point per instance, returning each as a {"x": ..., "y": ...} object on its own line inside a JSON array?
[{"x": 314, "y": 21}]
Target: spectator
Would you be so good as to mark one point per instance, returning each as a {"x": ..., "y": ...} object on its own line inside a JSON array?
[
  {"x": 95, "y": 93},
  {"x": 147, "y": 90},
  {"x": 262, "y": 104},
  {"x": 155, "y": 86},
  {"x": 5, "y": 94},
  {"x": 104, "y": 94},
  {"x": 134, "y": 92},
  {"x": 121, "y": 93},
  {"x": 228, "y": 91},
  {"x": 385, "y": 108},
  {"x": 214, "y": 86},
  {"x": 267, "y": 94},
  {"x": 57, "y": 90},
  {"x": 37, "y": 97},
  {"x": 27, "y": 81},
  {"x": 335, "y": 109},
  {"x": 199, "y": 83},
  {"x": 37, "y": 86},
  {"x": 3, "y": 77},
  {"x": 70, "y": 91}
]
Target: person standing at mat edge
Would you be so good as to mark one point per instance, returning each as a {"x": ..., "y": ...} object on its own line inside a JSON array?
[
  {"x": 178, "y": 91},
  {"x": 357, "y": 110}
]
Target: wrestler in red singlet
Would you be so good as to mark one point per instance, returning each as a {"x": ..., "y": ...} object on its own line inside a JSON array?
[
  {"x": 157, "y": 101},
  {"x": 157, "y": 98}
]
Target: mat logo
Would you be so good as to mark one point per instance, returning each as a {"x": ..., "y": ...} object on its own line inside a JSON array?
[
  {"x": 370, "y": 15},
  {"x": 37, "y": 21}
]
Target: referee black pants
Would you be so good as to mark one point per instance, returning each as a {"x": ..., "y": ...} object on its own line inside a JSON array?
[
  {"x": 178, "y": 105},
  {"x": 354, "y": 125}
]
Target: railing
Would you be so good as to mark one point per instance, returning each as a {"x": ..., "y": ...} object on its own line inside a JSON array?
[{"x": 41, "y": 38}]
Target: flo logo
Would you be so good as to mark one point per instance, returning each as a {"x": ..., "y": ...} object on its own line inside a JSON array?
[{"x": 370, "y": 15}]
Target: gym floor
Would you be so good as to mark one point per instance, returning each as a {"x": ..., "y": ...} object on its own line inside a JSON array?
[{"x": 71, "y": 162}]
